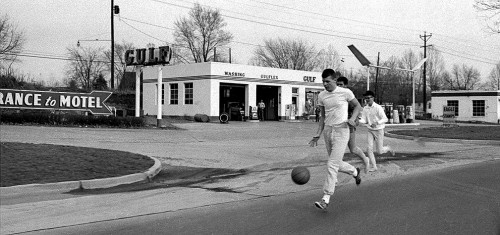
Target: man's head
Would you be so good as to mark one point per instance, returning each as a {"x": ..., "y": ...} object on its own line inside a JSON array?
[
  {"x": 369, "y": 97},
  {"x": 342, "y": 81},
  {"x": 329, "y": 79}
]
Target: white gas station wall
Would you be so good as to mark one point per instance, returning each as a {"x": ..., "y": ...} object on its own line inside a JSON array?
[
  {"x": 207, "y": 77},
  {"x": 286, "y": 98}
]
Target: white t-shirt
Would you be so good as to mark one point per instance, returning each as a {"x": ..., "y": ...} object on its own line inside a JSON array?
[{"x": 336, "y": 104}]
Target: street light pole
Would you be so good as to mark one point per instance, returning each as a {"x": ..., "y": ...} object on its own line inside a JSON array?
[
  {"x": 368, "y": 78},
  {"x": 112, "y": 46}
]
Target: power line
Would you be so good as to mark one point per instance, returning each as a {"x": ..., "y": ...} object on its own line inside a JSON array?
[
  {"x": 93, "y": 36},
  {"x": 335, "y": 17},
  {"x": 144, "y": 32},
  {"x": 463, "y": 41},
  {"x": 234, "y": 41},
  {"x": 452, "y": 54},
  {"x": 483, "y": 59},
  {"x": 470, "y": 46},
  {"x": 256, "y": 45},
  {"x": 50, "y": 57},
  {"x": 290, "y": 28},
  {"x": 138, "y": 21},
  {"x": 300, "y": 25}
]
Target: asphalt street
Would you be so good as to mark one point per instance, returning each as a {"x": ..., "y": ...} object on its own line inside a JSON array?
[
  {"x": 457, "y": 200},
  {"x": 239, "y": 173}
]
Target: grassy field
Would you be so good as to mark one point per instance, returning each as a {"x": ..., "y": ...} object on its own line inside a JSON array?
[
  {"x": 23, "y": 163},
  {"x": 460, "y": 132}
]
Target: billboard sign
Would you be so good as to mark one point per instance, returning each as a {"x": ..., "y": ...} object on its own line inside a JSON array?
[
  {"x": 32, "y": 99},
  {"x": 449, "y": 116}
]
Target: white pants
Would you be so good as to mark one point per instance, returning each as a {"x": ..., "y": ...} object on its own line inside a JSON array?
[
  {"x": 336, "y": 139},
  {"x": 376, "y": 139}
]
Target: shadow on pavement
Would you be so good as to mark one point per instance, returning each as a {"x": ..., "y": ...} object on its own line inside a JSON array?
[{"x": 195, "y": 177}]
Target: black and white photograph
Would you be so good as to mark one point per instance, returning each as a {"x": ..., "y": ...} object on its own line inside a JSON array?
[{"x": 249, "y": 117}]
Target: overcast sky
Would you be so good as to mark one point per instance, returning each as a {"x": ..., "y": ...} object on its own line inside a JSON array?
[{"x": 386, "y": 26}]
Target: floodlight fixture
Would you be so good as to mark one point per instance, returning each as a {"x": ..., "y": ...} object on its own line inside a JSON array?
[
  {"x": 419, "y": 64},
  {"x": 361, "y": 58},
  {"x": 365, "y": 62}
]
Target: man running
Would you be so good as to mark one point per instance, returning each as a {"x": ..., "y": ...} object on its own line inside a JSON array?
[
  {"x": 333, "y": 103},
  {"x": 342, "y": 82}
]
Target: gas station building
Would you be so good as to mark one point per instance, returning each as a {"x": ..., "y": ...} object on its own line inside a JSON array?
[
  {"x": 469, "y": 105},
  {"x": 214, "y": 88}
]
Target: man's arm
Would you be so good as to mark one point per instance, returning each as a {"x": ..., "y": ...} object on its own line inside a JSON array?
[
  {"x": 355, "y": 113},
  {"x": 381, "y": 115},
  {"x": 321, "y": 127}
]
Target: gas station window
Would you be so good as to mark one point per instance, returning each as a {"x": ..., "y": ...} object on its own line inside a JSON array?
[
  {"x": 453, "y": 103},
  {"x": 478, "y": 108},
  {"x": 162, "y": 93},
  {"x": 188, "y": 93},
  {"x": 174, "y": 93}
]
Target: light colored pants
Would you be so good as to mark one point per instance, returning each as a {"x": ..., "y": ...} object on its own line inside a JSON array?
[
  {"x": 376, "y": 139},
  {"x": 336, "y": 139}
]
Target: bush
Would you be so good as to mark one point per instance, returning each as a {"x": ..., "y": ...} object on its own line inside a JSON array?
[{"x": 46, "y": 117}]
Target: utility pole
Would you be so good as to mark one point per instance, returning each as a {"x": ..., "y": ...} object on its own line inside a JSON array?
[
  {"x": 112, "y": 45},
  {"x": 215, "y": 54},
  {"x": 425, "y": 37},
  {"x": 376, "y": 79}
]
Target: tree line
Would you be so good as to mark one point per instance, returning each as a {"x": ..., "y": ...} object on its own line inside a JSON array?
[{"x": 198, "y": 35}]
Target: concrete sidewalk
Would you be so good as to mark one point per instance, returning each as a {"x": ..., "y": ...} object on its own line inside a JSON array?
[{"x": 266, "y": 151}]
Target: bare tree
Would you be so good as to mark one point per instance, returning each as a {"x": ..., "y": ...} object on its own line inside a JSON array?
[
  {"x": 198, "y": 35},
  {"x": 447, "y": 81},
  {"x": 286, "y": 54},
  {"x": 471, "y": 77},
  {"x": 329, "y": 58},
  {"x": 85, "y": 65},
  {"x": 408, "y": 61},
  {"x": 11, "y": 42},
  {"x": 120, "y": 65},
  {"x": 493, "y": 82},
  {"x": 392, "y": 85},
  {"x": 435, "y": 69},
  {"x": 490, "y": 10},
  {"x": 463, "y": 78}
]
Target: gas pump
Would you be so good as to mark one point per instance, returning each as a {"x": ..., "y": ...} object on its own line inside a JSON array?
[{"x": 253, "y": 113}]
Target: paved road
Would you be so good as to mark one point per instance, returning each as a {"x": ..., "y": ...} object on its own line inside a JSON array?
[
  {"x": 457, "y": 200},
  {"x": 266, "y": 152}
]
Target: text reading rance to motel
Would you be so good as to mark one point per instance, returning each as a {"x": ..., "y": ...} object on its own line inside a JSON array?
[{"x": 93, "y": 102}]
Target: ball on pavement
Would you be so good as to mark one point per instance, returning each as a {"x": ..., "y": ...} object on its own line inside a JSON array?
[{"x": 300, "y": 175}]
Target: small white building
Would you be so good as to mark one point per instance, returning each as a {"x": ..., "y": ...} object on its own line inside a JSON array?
[
  {"x": 483, "y": 106},
  {"x": 213, "y": 88}
]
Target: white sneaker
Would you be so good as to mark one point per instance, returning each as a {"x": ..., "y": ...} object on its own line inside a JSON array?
[
  {"x": 393, "y": 153},
  {"x": 321, "y": 205}
]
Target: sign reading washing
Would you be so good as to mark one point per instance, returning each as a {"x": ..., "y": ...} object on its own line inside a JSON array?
[{"x": 234, "y": 74}]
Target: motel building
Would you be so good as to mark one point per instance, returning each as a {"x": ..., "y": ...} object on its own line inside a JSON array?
[
  {"x": 475, "y": 106},
  {"x": 214, "y": 88}
]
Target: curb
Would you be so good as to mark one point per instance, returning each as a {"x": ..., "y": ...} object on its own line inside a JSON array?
[
  {"x": 441, "y": 140},
  {"x": 84, "y": 184},
  {"x": 402, "y": 124}
]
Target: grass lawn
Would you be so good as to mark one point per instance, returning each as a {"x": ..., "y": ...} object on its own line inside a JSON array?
[
  {"x": 460, "y": 132},
  {"x": 24, "y": 163}
]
